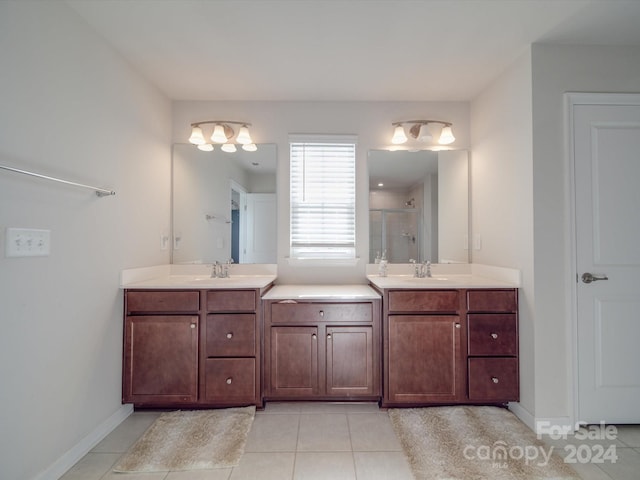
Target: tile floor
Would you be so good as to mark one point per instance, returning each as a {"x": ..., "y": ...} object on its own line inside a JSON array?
[{"x": 308, "y": 441}]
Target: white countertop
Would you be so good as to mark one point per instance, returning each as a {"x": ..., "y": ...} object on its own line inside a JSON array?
[
  {"x": 447, "y": 276},
  {"x": 196, "y": 277},
  {"x": 321, "y": 292}
]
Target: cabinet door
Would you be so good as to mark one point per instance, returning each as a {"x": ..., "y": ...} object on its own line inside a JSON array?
[
  {"x": 160, "y": 359},
  {"x": 350, "y": 360},
  {"x": 424, "y": 359},
  {"x": 294, "y": 361}
]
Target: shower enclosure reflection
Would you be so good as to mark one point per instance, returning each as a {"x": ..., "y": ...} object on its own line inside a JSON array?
[
  {"x": 395, "y": 232},
  {"x": 418, "y": 206}
]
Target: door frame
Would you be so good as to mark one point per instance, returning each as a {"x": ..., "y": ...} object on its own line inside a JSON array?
[{"x": 572, "y": 99}]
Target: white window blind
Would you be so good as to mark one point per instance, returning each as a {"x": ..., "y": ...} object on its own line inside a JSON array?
[{"x": 323, "y": 198}]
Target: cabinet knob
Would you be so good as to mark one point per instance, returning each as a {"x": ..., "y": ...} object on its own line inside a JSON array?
[
  {"x": 329, "y": 336},
  {"x": 313, "y": 335},
  {"x": 229, "y": 380},
  {"x": 230, "y": 335},
  {"x": 494, "y": 335},
  {"x": 322, "y": 313},
  {"x": 193, "y": 325},
  {"x": 494, "y": 379},
  {"x": 457, "y": 325}
]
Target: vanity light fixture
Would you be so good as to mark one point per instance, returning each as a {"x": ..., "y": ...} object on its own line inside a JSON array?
[
  {"x": 421, "y": 131},
  {"x": 222, "y": 133}
]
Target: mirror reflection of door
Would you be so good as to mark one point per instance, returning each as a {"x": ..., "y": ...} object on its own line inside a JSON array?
[
  {"x": 238, "y": 222},
  {"x": 253, "y": 226}
]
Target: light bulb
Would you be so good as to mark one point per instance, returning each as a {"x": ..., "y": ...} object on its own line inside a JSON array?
[
  {"x": 228, "y": 147},
  {"x": 218, "y": 134},
  {"x": 425, "y": 135},
  {"x": 446, "y": 136},
  {"x": 250, "y": 147},
  {"x": 398, "y": 135},
  {"x": 243, "y": 137},
  {"x": 197, "y": 138},
  {"x": 206, "y": 147}
]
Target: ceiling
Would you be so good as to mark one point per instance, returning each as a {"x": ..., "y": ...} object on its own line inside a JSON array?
[{"x": 344, "y": 50}]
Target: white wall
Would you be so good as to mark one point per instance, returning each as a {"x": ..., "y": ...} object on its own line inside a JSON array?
[
  {"x": 556, "y": 70},
  {"x": 272, "y": 122},
  {"x": 502, "y": 193},
  {"x": 70, "y": 108}
]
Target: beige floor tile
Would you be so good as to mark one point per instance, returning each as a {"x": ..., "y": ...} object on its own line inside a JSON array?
[
  {"x": 125, "y": 434},
  {"x": 264, "y": 466},
  {"x": 213, "y": 474},
  {"x": 629, "y": 435},
  {"x": 382, "y": 466},
  {"x": 280, "y": 407},
  {"x": 135, "y": 476},
  {"x": 372, "y": 432},
  {"x": 273, "y": 433},
  {"x": 626, "y": 467},
  {"x": 323, "y": 432},
  {"x": 590, "y": 471},
  {"x": 91, "y": 467},
  {"x": 324, "y": 466}
]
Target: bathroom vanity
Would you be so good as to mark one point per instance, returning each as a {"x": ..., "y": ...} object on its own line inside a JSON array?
[
  {"x": 322, "y": 343},
  {"x": 448, "y": 339},
  {"x": 191, "y": 340},
  {"x": 195, "y": 341}
]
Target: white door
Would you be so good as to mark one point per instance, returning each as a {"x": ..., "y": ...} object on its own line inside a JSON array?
[
  {"x": 606, "y": 154},
  {"x": 261, "y": 228}
]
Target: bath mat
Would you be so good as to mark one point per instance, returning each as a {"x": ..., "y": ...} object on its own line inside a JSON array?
[
  {"x": 190, "y": 440},
  {"x": 469, "y": 442}
]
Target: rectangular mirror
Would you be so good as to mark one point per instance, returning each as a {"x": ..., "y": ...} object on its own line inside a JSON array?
[
  {"x": 223, "y": 205},
  {"x": 419, "y": 206}
]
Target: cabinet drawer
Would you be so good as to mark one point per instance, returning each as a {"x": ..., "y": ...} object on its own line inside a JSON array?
[
  {"x": 231, "y": 335},
  {"x": 493, "y": 379},
  {"x": 321, "y": 312},
  {"x": 492, "y": 334},
  {"x": 163, "y": 301},
  {"x": 492, "y": 300},
  {"x": 424, "y": 301},
  {"x": 230, "y": 379},
  {"x": 231, "y": 301}
]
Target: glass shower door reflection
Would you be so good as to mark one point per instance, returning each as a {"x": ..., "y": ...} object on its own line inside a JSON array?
[{"x": 395, "y": 231}]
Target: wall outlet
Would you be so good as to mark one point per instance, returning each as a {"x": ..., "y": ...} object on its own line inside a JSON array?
[{"x": 27, "y": 242}]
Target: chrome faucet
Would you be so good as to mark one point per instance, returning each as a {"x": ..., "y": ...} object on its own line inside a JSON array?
[
  {"x": 421, "y": 270},
  {"x": 427, "y": 273},
  {"x": 216, "y": 270}
]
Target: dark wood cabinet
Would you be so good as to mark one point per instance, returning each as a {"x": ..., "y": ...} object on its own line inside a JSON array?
[
  {"x": 448, "y": 346},
  {"x": 192, "y": 347},
  {"x": 424, "y": 362},
  {"x": 492, "y": 322},
  {"x": 322, "y": 350},
  {"x": 161, "y": 359}
]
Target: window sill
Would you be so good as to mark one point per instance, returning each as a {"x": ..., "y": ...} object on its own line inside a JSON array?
[{"x": 323, "y": 262}]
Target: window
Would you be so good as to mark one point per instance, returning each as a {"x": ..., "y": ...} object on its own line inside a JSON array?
[{"x": 323, "y": 196}]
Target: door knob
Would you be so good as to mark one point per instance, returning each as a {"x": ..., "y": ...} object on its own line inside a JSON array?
[{"x": 589, "y": 277}]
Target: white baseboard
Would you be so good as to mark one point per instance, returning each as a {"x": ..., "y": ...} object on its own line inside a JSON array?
[
  {"x": 84, "y": 446},
  {"x": 541, "y": 425}
]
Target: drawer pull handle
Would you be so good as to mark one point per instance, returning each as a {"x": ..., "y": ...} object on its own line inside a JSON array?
[
  {"x": 322, "y": 313},
  {"x": 229, "y": 380},
  {"x": 494, "y": 335},
  {"x": 230, "y": 335},
  {"x": 494, "y": 379}
]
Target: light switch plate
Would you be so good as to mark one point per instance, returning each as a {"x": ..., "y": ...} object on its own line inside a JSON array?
[{"x": 27, "y": 242}]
